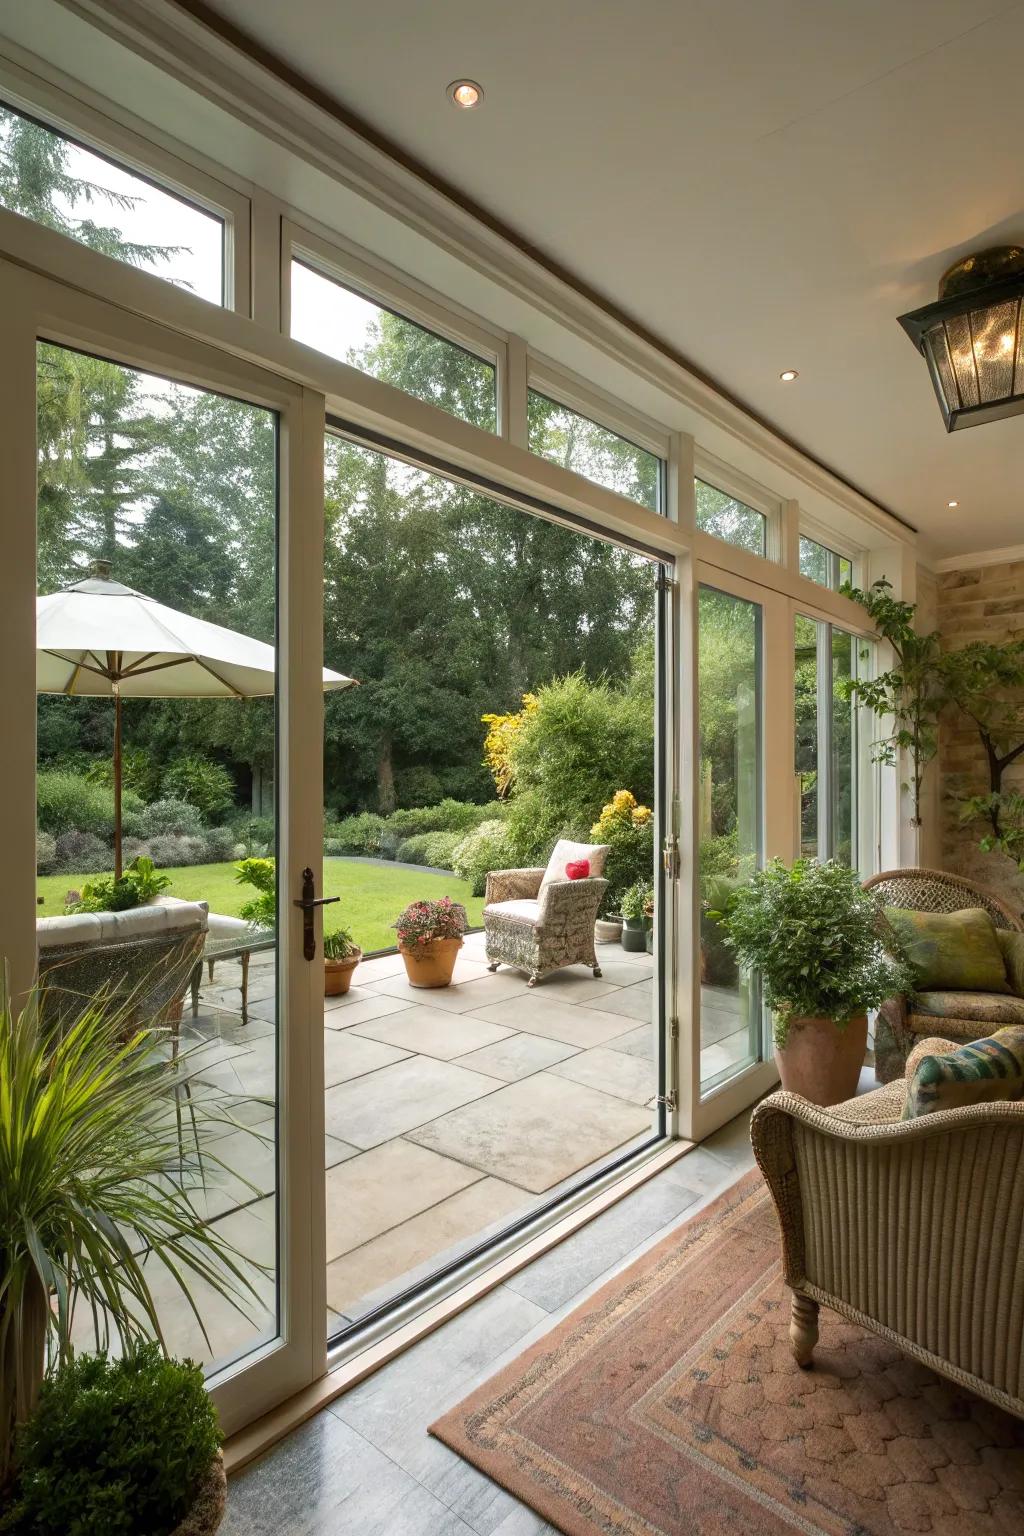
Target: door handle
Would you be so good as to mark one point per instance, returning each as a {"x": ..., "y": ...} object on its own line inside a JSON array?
[{"x": 308, "y": 904}]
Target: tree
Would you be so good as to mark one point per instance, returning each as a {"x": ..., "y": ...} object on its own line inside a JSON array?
[{"x": 986, "y": 683}]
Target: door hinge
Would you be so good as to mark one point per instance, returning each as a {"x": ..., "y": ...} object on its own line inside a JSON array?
[
  {"x": 673, "y": 1028},
  {"x": 670, "y": 859},
  {"x": 659, "y": 1099}
]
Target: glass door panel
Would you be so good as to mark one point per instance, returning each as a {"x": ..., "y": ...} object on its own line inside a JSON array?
[
  {"x": 507, "y": 698},
  {"x": 731, "y": 821},
  {"x": 827, "y": 740}
]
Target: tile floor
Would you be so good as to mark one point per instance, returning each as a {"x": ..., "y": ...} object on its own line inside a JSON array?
[
  {"x": 366, "y": 1466},
  {"x": 447, "y": 1113}
]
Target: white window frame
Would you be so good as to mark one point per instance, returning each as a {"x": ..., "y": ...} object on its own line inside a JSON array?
[
  {"x": 80, "y": 117},
  {"x": 743, "y": 488}
]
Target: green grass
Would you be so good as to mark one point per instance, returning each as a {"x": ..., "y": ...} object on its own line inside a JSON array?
[{"x": 372, "y": 895}]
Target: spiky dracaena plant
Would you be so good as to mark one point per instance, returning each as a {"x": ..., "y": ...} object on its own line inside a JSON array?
[{"x": 97, "y": 1191}]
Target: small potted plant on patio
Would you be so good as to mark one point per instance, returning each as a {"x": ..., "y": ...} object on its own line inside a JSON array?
[
  {"x": 429, "y": 940},
  {"x": 649, "y": 920},
  {"x": 341, "y": 956},
  {"x": 131, "y": 1445},
  {"x": 633, "y": 899},
  {"x": 824, "y": 956}
]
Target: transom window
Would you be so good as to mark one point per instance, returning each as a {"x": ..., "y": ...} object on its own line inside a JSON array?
[
  {"x": 595, "y": 452},
  {"x": 57, "y": 182},
  {"x": 823, "y": 565},
  {"x": 336, "y": 320},
  {"x": 728, "y": 518}
]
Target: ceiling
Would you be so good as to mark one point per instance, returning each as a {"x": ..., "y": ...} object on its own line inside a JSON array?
[{"x": 763, "y": 184}]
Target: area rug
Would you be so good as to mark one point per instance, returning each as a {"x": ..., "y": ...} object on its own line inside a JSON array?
[{"x": 669, "y": 1403}]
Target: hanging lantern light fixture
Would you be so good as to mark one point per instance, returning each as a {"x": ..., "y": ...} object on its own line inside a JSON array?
[{"x": 973, "y": 338}]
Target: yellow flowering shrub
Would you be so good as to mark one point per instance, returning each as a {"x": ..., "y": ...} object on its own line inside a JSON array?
[
  {"x": 620, "y": 814},
  {"x": 502, "y": 731},
  {"x": 628, "y": 829}
]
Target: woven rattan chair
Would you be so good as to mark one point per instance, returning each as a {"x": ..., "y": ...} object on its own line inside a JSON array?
[
  {"x": 899, "y": 1024},
  {"x": 913, "y": 1229},
  {"x": 540, "y": 931}
]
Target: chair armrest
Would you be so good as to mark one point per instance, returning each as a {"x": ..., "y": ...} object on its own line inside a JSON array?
[
  {"x": 512, "y": 885},
  {"x": 564, "y": 901}
]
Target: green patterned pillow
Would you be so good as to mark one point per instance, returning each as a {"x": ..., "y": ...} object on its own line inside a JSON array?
[
  {"x": 1012, "y": 946},
  {"x": 980, "y": 1073},
  {"x": 954, "y": 950}
]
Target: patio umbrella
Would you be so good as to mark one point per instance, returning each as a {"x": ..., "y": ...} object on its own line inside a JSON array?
[{"x": 102, "y": 639}]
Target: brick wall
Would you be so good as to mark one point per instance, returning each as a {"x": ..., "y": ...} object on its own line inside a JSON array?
[{"x": 982, "y": 604}]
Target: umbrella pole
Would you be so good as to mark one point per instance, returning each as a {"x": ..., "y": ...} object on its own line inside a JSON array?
[{"x": 117, "y": 783}]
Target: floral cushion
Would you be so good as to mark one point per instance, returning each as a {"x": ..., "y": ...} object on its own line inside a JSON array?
[
  {"x": 983, "y": 1072},
  {"x": 989, "y": 1008},
  {"x": 956, "y": 950}
]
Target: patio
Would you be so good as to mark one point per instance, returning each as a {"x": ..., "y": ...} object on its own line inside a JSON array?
[{"x": 448, "y": 1113}]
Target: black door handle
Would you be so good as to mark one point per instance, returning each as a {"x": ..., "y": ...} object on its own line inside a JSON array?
[{"x": 307, "y": 905}]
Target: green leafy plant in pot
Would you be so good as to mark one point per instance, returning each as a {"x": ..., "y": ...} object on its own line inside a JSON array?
[
  {"x": 825, "y": 956},
  {"x": 97, "y": 1195},
  {"x": 341, "y": 956},
  {"x": 633, "y": 904}
]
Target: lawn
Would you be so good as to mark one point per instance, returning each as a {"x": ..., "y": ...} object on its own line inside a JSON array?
[{"x": 372, "y": 895}]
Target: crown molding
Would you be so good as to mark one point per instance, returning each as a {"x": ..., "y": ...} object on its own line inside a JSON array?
[
  {"x": 979, "y": 558},
  {"x": 186, "y": 40}
]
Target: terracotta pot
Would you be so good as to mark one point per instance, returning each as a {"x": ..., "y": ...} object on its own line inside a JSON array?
[
  {"x": 608, "y": 930},
  {"x": 431, "y": 964},
  {"x": 338, "y": 974},
  {"x": 207, "y": 1510},
  {"x": 822, "y": 1062}
]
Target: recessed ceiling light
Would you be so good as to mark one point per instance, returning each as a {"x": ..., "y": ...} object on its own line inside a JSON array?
[
  {"x": 788, "y": 375},
  {"x": 952, "y": 503},
  {"x": 465, "y": 94}
]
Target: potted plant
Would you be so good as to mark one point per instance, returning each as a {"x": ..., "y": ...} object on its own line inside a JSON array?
[
  {"x": 92, "y": 1148},
  {"x": 649, "y": 920},
  {"x": 131, "y": 1445},
  {"x": 824, "y": 956},
  {"x": 628, "y": 830},
  {"x": 341, "y": 956},
  {"x": 633, "y": 899},
  {"x": 429, "y": 940}
]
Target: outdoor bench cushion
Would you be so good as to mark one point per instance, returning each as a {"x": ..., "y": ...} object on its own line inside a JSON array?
[
  {"x": 146, "y": 922},
  {"x": 521, "y": 911}
]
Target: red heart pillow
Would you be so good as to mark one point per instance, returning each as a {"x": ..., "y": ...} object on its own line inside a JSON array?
[{"x": 578, "y": 869}]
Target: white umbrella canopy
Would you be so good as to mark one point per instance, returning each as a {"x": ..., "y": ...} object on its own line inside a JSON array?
[{"x": 102, "y": 639}]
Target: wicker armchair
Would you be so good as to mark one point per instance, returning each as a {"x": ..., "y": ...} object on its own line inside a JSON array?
[
  {"x": 536, "y": 930},
  {"x": 899, "y": 1023},
  {"x": 913, "y": 1229}
]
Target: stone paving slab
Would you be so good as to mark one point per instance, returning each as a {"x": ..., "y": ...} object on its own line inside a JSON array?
[
  {"x": 433, "y": 1032},
  {"x": 615, "y": 1072},
  {"x": 517, "y": 1056},
  {"x": 397, "y": 1099},
  {"x": 348, "y": 1055},
  {"x": 383, "y": 1188},
  {"x": 572, "y": 1023},
  {"x": 369, "y": 1005},
  {"x": 468, "y": 997},
  {"x": 535, "y": 1132}
]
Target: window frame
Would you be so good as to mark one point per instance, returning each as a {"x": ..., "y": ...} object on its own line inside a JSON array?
[
  {"x": 48, "y": 103},
  {"x": 751, "y": 493}
]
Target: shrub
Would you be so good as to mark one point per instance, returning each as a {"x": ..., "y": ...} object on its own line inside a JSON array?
[
  {"x": 417, "y": 786},
  {"x": 628, "y": 829},
  {"x": 446, "y": 816},
  {"x": 115, "y": 1447},
  {"x": 82, "y": 853},
  {"x": 487, "y": 847},
  {"x": 220, "y": 845},
  {"x": 46, "y": 853},
  {"x": 334, "y": 848},
  {"x": 176, "y": 818},
  {"x": 173, "y": 852},
  {"x": 261, "y": 874},
  {"x": 137, "y": 885},
  {"x": 467, "y": 782},
  {"x": 140, "y": 772},
  {"x": 68, "y": 801},
  {"x": 202, "y": 782},
  {"x": 433, "y": 848},
  {"x": 358, "y": 834}
]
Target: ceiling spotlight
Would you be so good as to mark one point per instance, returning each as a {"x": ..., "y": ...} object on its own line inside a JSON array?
[
  {"x": 972, "y": 338},
  {"x": 952, "y": 503},
  {"x": 788, "y": 375},
  {"x": 465, "y": 94}
]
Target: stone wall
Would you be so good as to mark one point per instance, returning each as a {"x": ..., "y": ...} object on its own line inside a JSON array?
[{"x": 986, "y": 603}]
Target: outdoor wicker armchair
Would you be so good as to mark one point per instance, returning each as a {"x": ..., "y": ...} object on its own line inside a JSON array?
[
  {"x": 959, "y": 1016},
  {"x": 913, "y": 1229},
  {"x": 540, "y": 925}
]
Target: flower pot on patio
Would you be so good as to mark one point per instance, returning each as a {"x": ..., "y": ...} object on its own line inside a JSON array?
[
  {"x": 338, "y": 974},
  {"x": 633, "y": 935},
  {"x": 431, "y": 963},
  {"x": 608, "y": 930}
]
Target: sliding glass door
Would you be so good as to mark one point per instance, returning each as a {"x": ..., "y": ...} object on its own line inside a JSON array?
[{"x": 829, "y": 752}]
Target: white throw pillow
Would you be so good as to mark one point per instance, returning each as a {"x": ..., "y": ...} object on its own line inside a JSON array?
[{"x": 568, "y": 853}]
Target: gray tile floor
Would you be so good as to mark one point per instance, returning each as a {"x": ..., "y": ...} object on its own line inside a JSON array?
[{"x": 366, "y": 1464}]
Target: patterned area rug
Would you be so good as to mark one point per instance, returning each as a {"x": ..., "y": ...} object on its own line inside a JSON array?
[{"x": 669, "y": 1403}]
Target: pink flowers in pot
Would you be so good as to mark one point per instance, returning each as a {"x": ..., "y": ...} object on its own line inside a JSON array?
[{"x": 424, "y": 921}]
